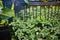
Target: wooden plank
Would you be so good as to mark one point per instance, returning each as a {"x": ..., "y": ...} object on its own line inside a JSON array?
[{"x": 44, "y": 3}]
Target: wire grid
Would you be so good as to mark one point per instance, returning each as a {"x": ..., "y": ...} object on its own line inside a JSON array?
[{"x": 46, "y": 12}]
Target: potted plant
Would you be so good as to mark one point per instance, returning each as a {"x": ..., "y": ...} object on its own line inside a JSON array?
[{"x": 4, "y": 30}]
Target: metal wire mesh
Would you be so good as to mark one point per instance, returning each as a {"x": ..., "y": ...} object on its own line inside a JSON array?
[{"x": 46, "y": 12}]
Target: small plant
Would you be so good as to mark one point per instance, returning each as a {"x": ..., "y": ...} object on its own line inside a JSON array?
[
  {"x": 3, "y": 23},
  {"x": 35, "y": 28}
]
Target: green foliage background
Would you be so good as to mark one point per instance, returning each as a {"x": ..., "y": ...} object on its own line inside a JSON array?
[{"x": 27, "y": 30}]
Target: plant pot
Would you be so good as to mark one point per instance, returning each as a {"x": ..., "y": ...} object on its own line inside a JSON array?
[{"x": 5, "y": 33}]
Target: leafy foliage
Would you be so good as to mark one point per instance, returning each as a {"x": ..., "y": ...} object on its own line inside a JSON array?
[
  {"x": 38, "y": 27},
  {"x": 33, "y": 29}
]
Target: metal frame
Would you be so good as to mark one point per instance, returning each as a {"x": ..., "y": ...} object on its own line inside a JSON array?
[{"x": 51, "y": 12}]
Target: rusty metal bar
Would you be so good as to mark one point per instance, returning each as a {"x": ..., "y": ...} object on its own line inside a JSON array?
[{"x": 44, "y": 3}]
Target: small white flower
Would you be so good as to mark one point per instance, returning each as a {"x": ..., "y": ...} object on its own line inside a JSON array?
[{"x": 37, "y": 33}]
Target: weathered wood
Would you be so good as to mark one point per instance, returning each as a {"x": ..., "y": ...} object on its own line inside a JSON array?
[{"x": 44, "y": 3}]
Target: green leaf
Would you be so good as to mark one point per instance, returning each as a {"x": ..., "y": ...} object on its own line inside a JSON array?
[{"x": 26, "y": 1}]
